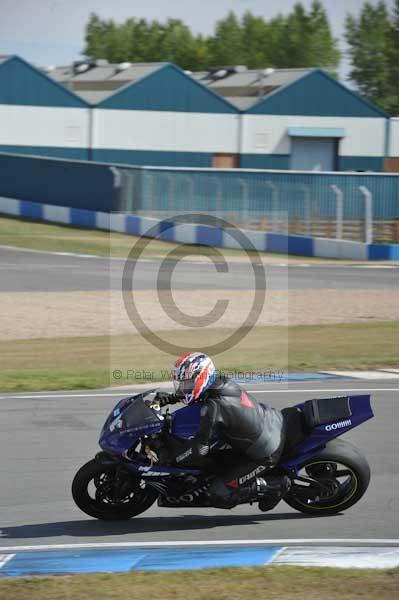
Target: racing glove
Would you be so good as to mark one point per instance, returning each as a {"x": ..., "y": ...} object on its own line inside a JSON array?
[{"x": 164, "y": 398}]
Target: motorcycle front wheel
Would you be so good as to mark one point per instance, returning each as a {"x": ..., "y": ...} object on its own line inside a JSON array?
[
  {"x": 105, "y": 492},
  {"x": 330, "y": 482}
]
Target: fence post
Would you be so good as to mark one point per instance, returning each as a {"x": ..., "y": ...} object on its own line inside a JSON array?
[
  {"x": 274, "y": 190},
  {"x": 219, "y": 198},
  {"x": 118, "y": 189},
  {"x": 147, "y": 196},
  {"x": 189, "y": 200},
  {"x": 339, "y": 196},
  {"x": 171, "y": 194},
  {"x": 368, "y": 214},
  {"x": 307, "y": 210},
  {"x": 127, "y": 200},
  {"x": 245, "y": 201}
]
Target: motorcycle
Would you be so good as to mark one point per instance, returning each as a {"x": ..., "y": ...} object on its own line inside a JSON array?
[{"x": 132, "y": 471}]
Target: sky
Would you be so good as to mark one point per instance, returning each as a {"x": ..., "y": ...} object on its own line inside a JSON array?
[{"x": 51, "y": 32}]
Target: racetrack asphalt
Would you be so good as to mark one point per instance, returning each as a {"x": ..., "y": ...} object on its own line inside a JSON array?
[
  {"x": 22, "y": 271},
  {"x": 46, "y": 437}
]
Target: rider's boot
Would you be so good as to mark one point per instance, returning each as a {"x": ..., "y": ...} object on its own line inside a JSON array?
[
  {"x": 222, "y": 495},
  {"x": 273, "y": 489}
]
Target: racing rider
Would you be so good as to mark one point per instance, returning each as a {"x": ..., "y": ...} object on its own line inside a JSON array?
[{"x": 254, "y": 431}]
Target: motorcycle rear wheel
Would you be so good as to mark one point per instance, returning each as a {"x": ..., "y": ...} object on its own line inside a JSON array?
[
  {"x": 344, "y": 473},
  {"x": 98, "y": 491}
]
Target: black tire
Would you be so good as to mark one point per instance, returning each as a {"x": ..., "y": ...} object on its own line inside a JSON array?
[
  {"x": 347, "y": 493},
  {"x": 136, "y": 501}
]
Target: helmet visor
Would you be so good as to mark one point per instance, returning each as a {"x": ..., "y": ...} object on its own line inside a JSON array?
[{"x": 183, "y": 387}]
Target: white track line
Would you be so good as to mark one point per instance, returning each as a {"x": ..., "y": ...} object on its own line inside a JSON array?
[
  {"x": 125, "y": 259},
  {"x": 52, "y": 253},
  {"x": 278, "y": 553},
  {"x": 277, "y": 542},
  {"x": 369, "y": 557},
  {"x": 372, "y": 375},
  {"x": 4, "y": 558},
  {"x": 121, "y": 258},
  {"x": 316, "y": 264},
  {"x": 77, "y": 255},
  {"x": 126, "y": 392}
]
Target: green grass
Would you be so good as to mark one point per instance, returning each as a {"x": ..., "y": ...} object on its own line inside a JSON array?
[
  {"x": 260, "y": 583},
  {"x": 62, "y": 238},
  {"x": 35, "y": 235},
  {"x": 84, "y": 362}
]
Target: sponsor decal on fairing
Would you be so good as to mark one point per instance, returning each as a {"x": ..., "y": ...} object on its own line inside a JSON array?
[{"x": 339, "y": 425}]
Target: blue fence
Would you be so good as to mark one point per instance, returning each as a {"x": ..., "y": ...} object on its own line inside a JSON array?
[
  {"x": 246, "y": 195},
  {"x": 76, "y": 184},
  {"x": 253, "y": 195}
]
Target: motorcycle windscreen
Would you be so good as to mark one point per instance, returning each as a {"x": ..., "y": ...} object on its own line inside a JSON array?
[{"x": 137, "y": 415}]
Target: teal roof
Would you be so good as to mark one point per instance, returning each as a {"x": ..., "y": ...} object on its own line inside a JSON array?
[
  {"x": 167, "y": 89},
  {"x": 24, "y": 84},
  {"x": 316, "y": 93}
]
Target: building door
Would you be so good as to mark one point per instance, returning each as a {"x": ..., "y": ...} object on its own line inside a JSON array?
[
  {"x": 225, "y": 161},
  {"x": 391, "y": 165},
  {"x": 313, "y": 154}
]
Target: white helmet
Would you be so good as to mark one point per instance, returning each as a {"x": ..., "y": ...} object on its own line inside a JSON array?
[{"x": 193, "y": 373}]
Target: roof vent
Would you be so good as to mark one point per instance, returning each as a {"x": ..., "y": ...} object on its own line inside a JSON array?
[
  {"x": 123, "y": 66},
  {"x": 240, "y": 68},
  {"x": 101, "y": 62},
  {"x": 220, "y": 73},
  {"x": 268, "y": 71},
  {"x": 81, "y": 67}
]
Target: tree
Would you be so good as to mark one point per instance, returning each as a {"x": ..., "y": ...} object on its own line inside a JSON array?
[
  {"x": 392, "y": 102},
  {"x": 116, "y": 43},
  {"x": 275, "y": 41},
  {"x": 300, "y": 39},
  {"x": 201, "y": 58},
  {"x": 305, "y": 39},
  {"x": 96, "y": 31},
  {"x": 255, "y": 42},
  {"x": 141, "y": 46},
  {"x": 322, "y": 46},
  {"x": 369, "y": 37},
  {"x": 177, "y": 44},
  {"x": 292, "y": 47},
  {"x": 226, "y": 46}
]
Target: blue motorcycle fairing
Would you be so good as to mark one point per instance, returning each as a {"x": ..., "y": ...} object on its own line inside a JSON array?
[
  {"x": 319, "y": 436},
  {"x": 186, "y": 420},
  {"x": 132, "y": 419}
]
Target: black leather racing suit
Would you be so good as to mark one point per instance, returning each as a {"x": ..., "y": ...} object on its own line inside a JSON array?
[{"x": 254, "y": 431}]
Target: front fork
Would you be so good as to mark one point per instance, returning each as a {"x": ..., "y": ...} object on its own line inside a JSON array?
[{"x": 124, "y": 480}]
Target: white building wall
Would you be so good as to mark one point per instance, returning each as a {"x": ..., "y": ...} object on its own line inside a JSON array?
[
  {"x": 183, "y": 132},
  {"x": 268, "y": 134},
  {"x": 394, "y": 138},
  {"x": 59, "y": 127},
  {"x": 165, "y": 131}
]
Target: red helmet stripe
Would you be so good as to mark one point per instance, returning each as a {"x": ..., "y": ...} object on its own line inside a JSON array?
[
  {"x": 200, "y": 382},
  {"x": 182, "y": 358}
]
